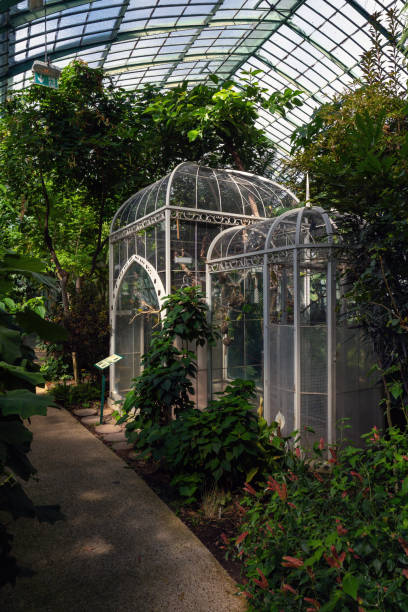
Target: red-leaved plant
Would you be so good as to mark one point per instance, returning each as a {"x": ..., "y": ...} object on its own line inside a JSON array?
[{"x": 337, "y": 540}]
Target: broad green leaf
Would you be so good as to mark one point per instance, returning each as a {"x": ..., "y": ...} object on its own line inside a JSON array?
[
  {"x": 251, "y": 474},
  {"x": 315, "y": 557},
  {"x": 188, "y": 491},
  {"x": 350, "y": 585},
  {"x": 10, "y": 340},
  {"x": 14, "y": 432},
  {"x": 31, "y": 322},
  {"x": 14, "y": 262},
  {"x": 24, "y": 403},
  {"x": 396, "y": 389},
  {"x": 193, "y": 135},
  {"x": 33, "y": 377}
]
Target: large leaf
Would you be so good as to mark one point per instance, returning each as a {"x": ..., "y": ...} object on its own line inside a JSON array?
[
  {"x": 9, "y": 344},
  {"x": 24, "y": 403},
  {"x": 350, "y": 585},
  {"x": 33, "y": 377},
  {"x": 14, "y": 262},
  {"x": 31, "y": 322},
  {"x": 13, "y": 432}
]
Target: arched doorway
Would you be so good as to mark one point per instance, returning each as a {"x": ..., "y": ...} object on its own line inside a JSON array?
[{"x": 137, "y": 297}]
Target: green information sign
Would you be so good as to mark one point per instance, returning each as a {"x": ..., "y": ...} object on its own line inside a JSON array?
[
  {"x": 101, "y": 365},
  {"x": 44, "y": 79},
  {"x": 46, "y": 74},
  {"x": 105, "y": 363}
]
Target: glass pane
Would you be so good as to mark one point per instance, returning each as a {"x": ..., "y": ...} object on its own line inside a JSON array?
[{"x": 238, "y": 313}]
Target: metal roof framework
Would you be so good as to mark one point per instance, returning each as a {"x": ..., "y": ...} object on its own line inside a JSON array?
[{"x": 312, "y": 45}]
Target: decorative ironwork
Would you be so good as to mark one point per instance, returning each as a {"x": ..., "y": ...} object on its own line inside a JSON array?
[
  {"x": 205, "y": 216},
  {"x": 235, "y": 264},
  {"x": 133, "y": 228},
  {"x": 184, "y": 214},
  {"x": 150, "y": 269}
]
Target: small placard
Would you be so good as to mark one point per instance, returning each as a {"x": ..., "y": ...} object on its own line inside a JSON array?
[
  {"x": 46, "y": 74},
  {"x": 183, "y": 260},
  {"x": 105, "y": 363}
]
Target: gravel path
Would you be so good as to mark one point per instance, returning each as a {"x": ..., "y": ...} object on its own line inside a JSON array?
[{"x": 120, "y": 549}]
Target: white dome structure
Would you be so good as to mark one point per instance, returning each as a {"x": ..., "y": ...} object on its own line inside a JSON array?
[{"x": 159, "y": 242}]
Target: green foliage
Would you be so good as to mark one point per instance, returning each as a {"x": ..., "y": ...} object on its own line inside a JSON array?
[
  {"x": 165, "y": 386},
  {"x": 336, "y": 540},
  {"x": 18, "y": 377},
  {"x": 219, "y": 121},
  {"x": 69, "y": 157},
  {"x": 54, "y": 369},
  {"x": 216, "y": 447},
  {"x": 87, "y": 326},
  {"x": 356, "y": 152},
  {"x": 73, "y": 396}
]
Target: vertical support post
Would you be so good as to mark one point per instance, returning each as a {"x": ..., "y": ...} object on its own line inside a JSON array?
[
  {"x": 209, "y": 320},
  {"x": 167, "y": 231},
  {"x": 297, "y": 338},
  {"x": 111, "y": 318},
  {"x": 331, "y": 349},
  {"x": 266, "y": 341},
  {"x": 102, "y": 398}
]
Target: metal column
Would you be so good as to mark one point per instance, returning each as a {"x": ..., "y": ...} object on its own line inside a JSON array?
[{"x": 266, "y": 342}]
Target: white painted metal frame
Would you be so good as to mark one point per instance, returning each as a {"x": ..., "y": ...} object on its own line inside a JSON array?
[
  {"x": 168, "y": 213},
  {"x": 266, "y": 257},
  {"x": 114, "y": 289}
]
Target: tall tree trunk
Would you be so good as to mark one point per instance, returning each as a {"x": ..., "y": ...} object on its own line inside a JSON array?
[
  {"x": 62, "y": 274},
  {"x": 99, "y": 243}
]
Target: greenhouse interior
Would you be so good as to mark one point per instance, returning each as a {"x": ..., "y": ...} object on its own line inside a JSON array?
[{"x": 204, "y": 305}]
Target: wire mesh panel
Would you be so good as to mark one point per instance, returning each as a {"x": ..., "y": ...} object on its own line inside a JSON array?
[
  {"x": 281, "y": 376},
  {"x": 310, "y": 383},
  {"x": 281, "y": 346},
  {"x": 313, "y": 334},
  {"x": 358, "y": 393},
  {"x": 238, "y": 315}
]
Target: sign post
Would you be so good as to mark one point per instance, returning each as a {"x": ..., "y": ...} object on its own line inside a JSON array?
[{"x": 101, "y": 365}]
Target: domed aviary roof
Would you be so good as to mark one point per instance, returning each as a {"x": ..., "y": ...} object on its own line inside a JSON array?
[
  {"x": 300, "y": 227},
  {"x": 199, "y": 187}
]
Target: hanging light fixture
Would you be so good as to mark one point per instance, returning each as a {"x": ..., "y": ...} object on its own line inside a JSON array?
[
  {"x": 35, "y": 5},
  {"x": 44, "y": 73}
]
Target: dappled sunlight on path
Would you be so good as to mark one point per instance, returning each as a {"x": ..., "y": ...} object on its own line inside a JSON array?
[{"x": 120, "y": 548}]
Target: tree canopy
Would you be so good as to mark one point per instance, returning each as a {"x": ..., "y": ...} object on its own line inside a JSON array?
[
  {"x": 70, "y": 156},
  {"x": 356, "y": 152}
]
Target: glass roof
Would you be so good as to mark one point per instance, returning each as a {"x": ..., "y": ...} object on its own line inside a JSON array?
[{"x": 313, "y": 45}]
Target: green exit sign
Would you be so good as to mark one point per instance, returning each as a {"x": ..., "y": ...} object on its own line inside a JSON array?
[{"x": 46, "y": 74}]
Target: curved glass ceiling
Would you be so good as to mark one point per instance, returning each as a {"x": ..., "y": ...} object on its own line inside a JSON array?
[{"x": 313, "y": 45}]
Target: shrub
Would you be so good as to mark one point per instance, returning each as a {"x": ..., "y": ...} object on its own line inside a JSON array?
[
  {"x": 337, "y": 541},
  {"x": 54, "y": 368},
  {"x": 87, "y": 326},
  {"x": 221, "y": 446},
  {"x": 76, "y": 395},
  {"x": 165, "y": 386},
  {"x": 19, "y": 376}
]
